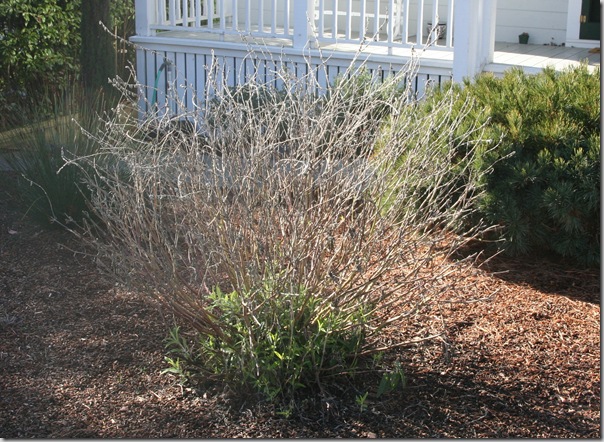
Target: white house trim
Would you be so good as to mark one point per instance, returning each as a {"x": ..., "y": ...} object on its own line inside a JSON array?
[
  {"x": 475, "y": 39},
  {"x": 573, "y": 25}
]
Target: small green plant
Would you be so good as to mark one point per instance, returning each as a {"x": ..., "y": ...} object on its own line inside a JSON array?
[
  {"x": 361, "y": 400},
  {"x": 176, "y": 368},
  {"x": 391, "y": 381},
  {"x": 287, "y": 411},
  {"x": 272, "y": 341}
]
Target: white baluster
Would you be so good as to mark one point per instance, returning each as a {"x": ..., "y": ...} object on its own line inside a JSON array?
[
  {"x": 420, "y": 22},
  {"x": 303, "y": 13},
  {"x": 348, "y": 20},
  {"x": 185, "y": 12},
  {"x": 197, "y": 13},
  {"x": 172, "y": 12}
]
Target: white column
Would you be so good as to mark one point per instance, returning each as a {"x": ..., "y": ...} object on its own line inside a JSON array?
[
  {"x": 489, "y": 18},
  {"x": 464, "y": 39},
  {"x": 304, "y": 14},
  {"x": 474, "y": 37},
  {"x": 573, "y": 22},
  {"x": 145, "y": 16}
]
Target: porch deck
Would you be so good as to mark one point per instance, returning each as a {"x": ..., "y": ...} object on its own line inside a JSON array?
[
  {"x": 530, "y": 57},
  {"x": 533, "y": 58},
  {"x": 431, "y": 52}
]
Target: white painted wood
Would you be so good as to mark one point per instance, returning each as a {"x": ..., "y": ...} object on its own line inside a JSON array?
[
  {"x": 260, "y": 15},
  {"x": 184, "y": 12},
  {"x": 172, "y": 12},
  {"x": 248, "y": 16},
  {"x": 405, "y": 23},
  {"x": 544, "y": 20},
  {"x": 362, "y": 20},
  {"x": 189, "y": 80},
  {"x": 200, "y": 78},
  {"x": 210, "y": 13},
  {"x": 146, "y": 15},
  {"x": 287, "y": 18},
  {"x": 197, "y": 13},
  {"x": 185, "y": 85},
  {"x": 388, "y": 23},
  {"x": 321, "y": 20},
  {"x": 303, "y": 14},
  {"x": 573, "y": 24},
  {"x": 464, "y": 64},
  {"x": 419, "y": 23},
  {"x": 141, "y": 77},
  {"x": 376, "y": 21},
  {"x": 573, "y": 27},
  {"x": 450, "y": 27},
  {"x": 180, "y": 89},
  {"x": 486, "y": 39},
  {"x": 335, "y": 20},
  {"x": 235, "y": 15},
  {"x": 286, "y": 37},
  {"x": 435, "y": 19},
  {"x": 172, "y": 94},
  {"x": 533, "y": 58},
  {"x": 270, "y": 19},
  {"x": 162, "y": 14},
  {"x": 474, "y": 41},
  {"x": 273, "y": 22},
  {"x": 342, "y": 21}
]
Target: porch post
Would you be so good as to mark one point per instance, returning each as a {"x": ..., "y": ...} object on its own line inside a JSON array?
[
  {"x": 474, "y": 37},
  {"x": 145, "y": 16},
  {"x": 489, "y": 19},
  {"x": 464, "y": 39},
  {"x": 304, "y": 14}
]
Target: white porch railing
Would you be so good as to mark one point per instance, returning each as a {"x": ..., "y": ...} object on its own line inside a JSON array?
[
  {"x": 262, "y": 18},
  {"x": 389, "y": 23},
  {"x": 169, "y": 63}
]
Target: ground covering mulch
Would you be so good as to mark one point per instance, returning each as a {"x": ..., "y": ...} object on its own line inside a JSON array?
[{"x": 81, "y": 357}]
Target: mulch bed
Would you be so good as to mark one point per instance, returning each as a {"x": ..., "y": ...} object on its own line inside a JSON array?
[{"x": 81, "y": 357}]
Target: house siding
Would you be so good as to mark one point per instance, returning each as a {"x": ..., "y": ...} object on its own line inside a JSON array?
[{"x": 544, "y": 20}]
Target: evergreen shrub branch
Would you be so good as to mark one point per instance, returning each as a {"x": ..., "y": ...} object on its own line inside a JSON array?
[{"x": 544, "y": 192}]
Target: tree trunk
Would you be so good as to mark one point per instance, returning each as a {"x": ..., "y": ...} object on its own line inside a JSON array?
[{"x": 98, "y": 54}]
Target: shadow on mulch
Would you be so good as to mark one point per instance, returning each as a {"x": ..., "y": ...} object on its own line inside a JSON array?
[
  {"x": 489, "y": 407},
  {"x": 548, "y": 277},
  {"x": 546, "y": 273}
]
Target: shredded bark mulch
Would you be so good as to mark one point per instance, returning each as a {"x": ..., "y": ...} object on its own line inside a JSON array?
[{"x": 81, "y": 357}]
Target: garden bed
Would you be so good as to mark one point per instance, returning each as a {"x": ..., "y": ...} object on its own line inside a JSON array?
[{"x": 81, "y": 357}]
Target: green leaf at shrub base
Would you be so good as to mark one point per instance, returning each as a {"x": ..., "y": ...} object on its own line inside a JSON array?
[{"x": 276, "y": 343}]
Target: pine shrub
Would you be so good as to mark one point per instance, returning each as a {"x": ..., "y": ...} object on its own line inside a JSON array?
[{"x": 544, "y": 190}]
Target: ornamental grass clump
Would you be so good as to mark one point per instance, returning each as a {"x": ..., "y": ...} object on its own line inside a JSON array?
[
  {"x": 53, "y": 191},
  {"x": 287, "y": 235}
]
